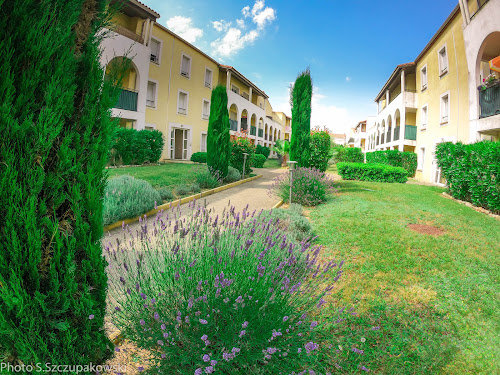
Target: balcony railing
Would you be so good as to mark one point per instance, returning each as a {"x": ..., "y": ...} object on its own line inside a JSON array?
[
  {"x": 382, "y": 139},
  {"x": 233, "y": 125},
  {"x": 389, "y": 135},
  {"x": 396, "y": 133},
  {"x": 127, "y": 100},
  {"x": 411, "y": 132},
  {"x": 261, "y": 133},
  {"x": 253, "y": 130},
  {"x": 489, "y": 100}
]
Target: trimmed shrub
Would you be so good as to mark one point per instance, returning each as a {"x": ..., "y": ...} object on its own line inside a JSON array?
[
  {"x": 293, "y": 222},
  {"x": 166, "y": 193},
  {"x": 126, "y": 197},
  {"x": 310, "y": 187},
  {"x": 132, "y": 147},
  {"x": 218, "y": 147},
  {"x": 199, "y": 157},
  {"x": 258, "y": 160},
  {"x": 56, "y": 127},
  {"x": 208, "y": 180},
  {"x": 232, "y": 289},
  {"x": 238, "y": 147},
  {"x": 472, "y": 172},
  {"x": 263, "y": 150},
  {"x": 349, "y": 155},
  {"x": 395, "y": 158},
  {"x": 233, "y": 175},
  {"x": 320, "y": 150},
  {"x": 372, "y": 172},
  {"x": 300, "y": 100},
  {"x": 195, "y": 188}
]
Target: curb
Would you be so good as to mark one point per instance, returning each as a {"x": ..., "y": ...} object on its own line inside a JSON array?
[
  {"x": 468, "y": 204},
  {"x": 178, "y": 202},
  {"x": 278, "y": 205}
]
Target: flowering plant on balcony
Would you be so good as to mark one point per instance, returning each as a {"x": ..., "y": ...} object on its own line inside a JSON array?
[{"x": 489, "y": 81}]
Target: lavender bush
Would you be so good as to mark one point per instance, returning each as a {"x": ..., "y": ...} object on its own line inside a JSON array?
[
  {"x": 226, "y": 294},
  {"x": 310, "y": 186}
]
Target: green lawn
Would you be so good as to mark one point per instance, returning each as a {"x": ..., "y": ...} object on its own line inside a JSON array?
[
  {"x": 272, "y": 164},
  {"x": 169, "y": 174},
  {"x": 436, "y": 299}
]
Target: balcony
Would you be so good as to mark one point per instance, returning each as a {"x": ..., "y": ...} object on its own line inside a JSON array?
[
  {"x": 388, "y": 136},
  {"x": 489, "y": 101},
  {"x": 128, "y": 33},
  {"x": 244, "y": 124},
  {"x": 127, "y": 100},
  {"x": 253, "y": 130},
  {"x": 396, "y": 133},
  {"x": 233, "y": 125},
  {"x": 261, "y": 133},
  {"x": 411, "y": 132}
]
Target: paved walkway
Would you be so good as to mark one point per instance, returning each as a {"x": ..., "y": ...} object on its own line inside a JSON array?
[{"x": 254, "y": 194}]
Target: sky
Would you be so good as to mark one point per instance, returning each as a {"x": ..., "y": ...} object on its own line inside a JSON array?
[{"x": 351, "y": 47}]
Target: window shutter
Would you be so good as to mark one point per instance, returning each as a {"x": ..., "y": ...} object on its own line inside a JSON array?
[{"x": 151, "y": 92}]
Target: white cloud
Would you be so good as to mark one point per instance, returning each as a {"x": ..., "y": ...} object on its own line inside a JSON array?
[
  {"x": 221, "y": 25},
  {"x": 184, "y": 28},
  {"x": 241, "y": 23},
  {"x": 234, "y": 39},
  {"x": 232, "y": 42},
  {"x": 348, "y": 79}
]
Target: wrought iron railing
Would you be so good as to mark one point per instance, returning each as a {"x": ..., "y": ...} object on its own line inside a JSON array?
[
  {"x": 388, "y": 137},
  {"x": 396, "y": 133},
  {"x": 411, "y": 132},
  {"x": 489, "y": 100},
  {"x": 253, "y": 130},
  {"x": 244, "y": 124},
  {"x": 127, "y": 100},
  {"x": 261, "y": 133}
]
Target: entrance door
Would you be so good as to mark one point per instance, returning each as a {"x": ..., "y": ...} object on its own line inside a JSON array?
[{"x": 179, "y": 143}]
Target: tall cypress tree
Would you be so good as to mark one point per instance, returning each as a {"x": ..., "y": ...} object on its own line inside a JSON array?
[
  {"x": 300, "y": 101},
  {"x": 56, "y": 131},
  {"x": 218, "y": 137}
]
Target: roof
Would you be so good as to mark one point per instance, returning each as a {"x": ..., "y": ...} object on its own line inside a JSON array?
[
  {"x": 136, "y": 7},
  {"x": 241, "y": 77},
  {"x": 394, "y": 74},
  {"x": 438, "y": 33}
]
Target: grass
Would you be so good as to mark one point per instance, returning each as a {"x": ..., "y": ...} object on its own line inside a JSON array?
[
  {"x": 436, "y": 299},
  {"x": 272, "y": 164},
  {"x": 169, "y": 174}
]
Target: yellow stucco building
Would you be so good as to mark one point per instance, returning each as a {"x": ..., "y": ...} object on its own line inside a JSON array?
[
  {"x": 436, "y": 98},
  {"x": 169, "y": 84}
]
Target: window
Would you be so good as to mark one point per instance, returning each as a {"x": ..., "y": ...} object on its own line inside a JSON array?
[
  {"x": 185, "y": 66},
  {"x": 424, "y": 116},
  {"x": 445, "y": 108},
  {"x": 151, "y": 94},
  {"x": 235, "y": 89},
  {"x": 443, "y": 61},
  {"x": 205, "y": 110},
  {"x": 423, "y": 77},
  {"x": 155, "y": 51},
  {"x": 203, "y": 146},
  {"x": 182, "y": 103},
  {"x": 421, "y": 158},
  {"x": 208, "y": 78}
]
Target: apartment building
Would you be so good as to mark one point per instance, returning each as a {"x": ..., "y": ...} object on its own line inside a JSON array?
[
  {"x": 360, "y": 133},
  {"x": 438, "y": 97},
  {"x": 169, "y": 85}
]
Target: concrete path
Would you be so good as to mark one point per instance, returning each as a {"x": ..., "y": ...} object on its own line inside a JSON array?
[{"x": 254, "y": 194}]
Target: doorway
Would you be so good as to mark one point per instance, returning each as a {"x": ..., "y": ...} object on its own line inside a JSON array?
[{"x": 179, "y": 143}]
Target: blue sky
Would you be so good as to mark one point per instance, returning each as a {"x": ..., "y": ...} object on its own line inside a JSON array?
[{"x": 351, "y": 47}]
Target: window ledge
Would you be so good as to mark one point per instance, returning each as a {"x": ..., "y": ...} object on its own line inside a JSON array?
[
  {"x": 443, "y": 73},
  {"x": 423, "y": 128},
  {"x": 423, "y": 89},
  {"x": 444, "y": 123}
]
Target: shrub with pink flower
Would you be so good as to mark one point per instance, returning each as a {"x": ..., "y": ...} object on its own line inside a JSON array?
[{"x": 310, "y": 186}]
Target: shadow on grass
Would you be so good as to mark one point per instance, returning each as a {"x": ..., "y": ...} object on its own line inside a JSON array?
[{"x": 347, "y": 186}]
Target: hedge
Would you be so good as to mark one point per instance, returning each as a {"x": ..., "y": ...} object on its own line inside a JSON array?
[
  {"x": 472, "y": 172},
  {"x": 319, "y": 144},
  {"x": 395, "y": 158},
  {"x": 133, "y": 146},
  {"x": 199, "y": 157},
  {"x": 349, "y": 155},
  {"x": 263, "y": 150},
  {"x": 372, "y": 172},
  {"x": 258, "y": 160}
]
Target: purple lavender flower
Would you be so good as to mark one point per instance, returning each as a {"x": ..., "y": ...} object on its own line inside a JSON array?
[
  {"x": 203, "y": 321},
  {"x": 314, "y": 324},
  {"x": 213, "y": 362},
  {"x": 242, "y": 333},
  {"x": 156, "y": 316},
  {"x": 235, "y": 350},
  {"x": 198, "y": 371},
  {"x": 91, "y": 316},
  {"x": 163, "y": 327},
  {"x": 118, "y": 308},
  {"x": 244, "y": 325},
  {"x": 206, "y": 358},
  {"x": 140, "y": 368},
  {"x": 310, "y": 346},
  {"x": 142, "y": 322},
  {"x": 355, "y": 350},
  {"x": 271, "y": 350},
  {"x": 209, "y": 369},
  {"x": 204, "y": 338},
  {"x": 160, "y": 342},
  {"x": 285, "y": 318},
  {"x": 165, "y": 334}
]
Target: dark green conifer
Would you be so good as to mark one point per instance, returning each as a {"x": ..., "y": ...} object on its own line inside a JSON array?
[
  {"x": 218, "y": 137},
  {"x": 300, "y": 101}
]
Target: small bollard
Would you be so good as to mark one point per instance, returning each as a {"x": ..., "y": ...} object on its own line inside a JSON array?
[{"x": 244, "y": 162}]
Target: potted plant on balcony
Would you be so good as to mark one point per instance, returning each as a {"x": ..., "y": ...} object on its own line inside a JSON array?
[{"x": 489, "y": 81}]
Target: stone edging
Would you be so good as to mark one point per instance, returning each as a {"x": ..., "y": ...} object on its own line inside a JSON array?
[
  {"x": 278, "y": 205},
  {"x": 185, "y": 200},
  {"x": 468, "y": 204}
]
